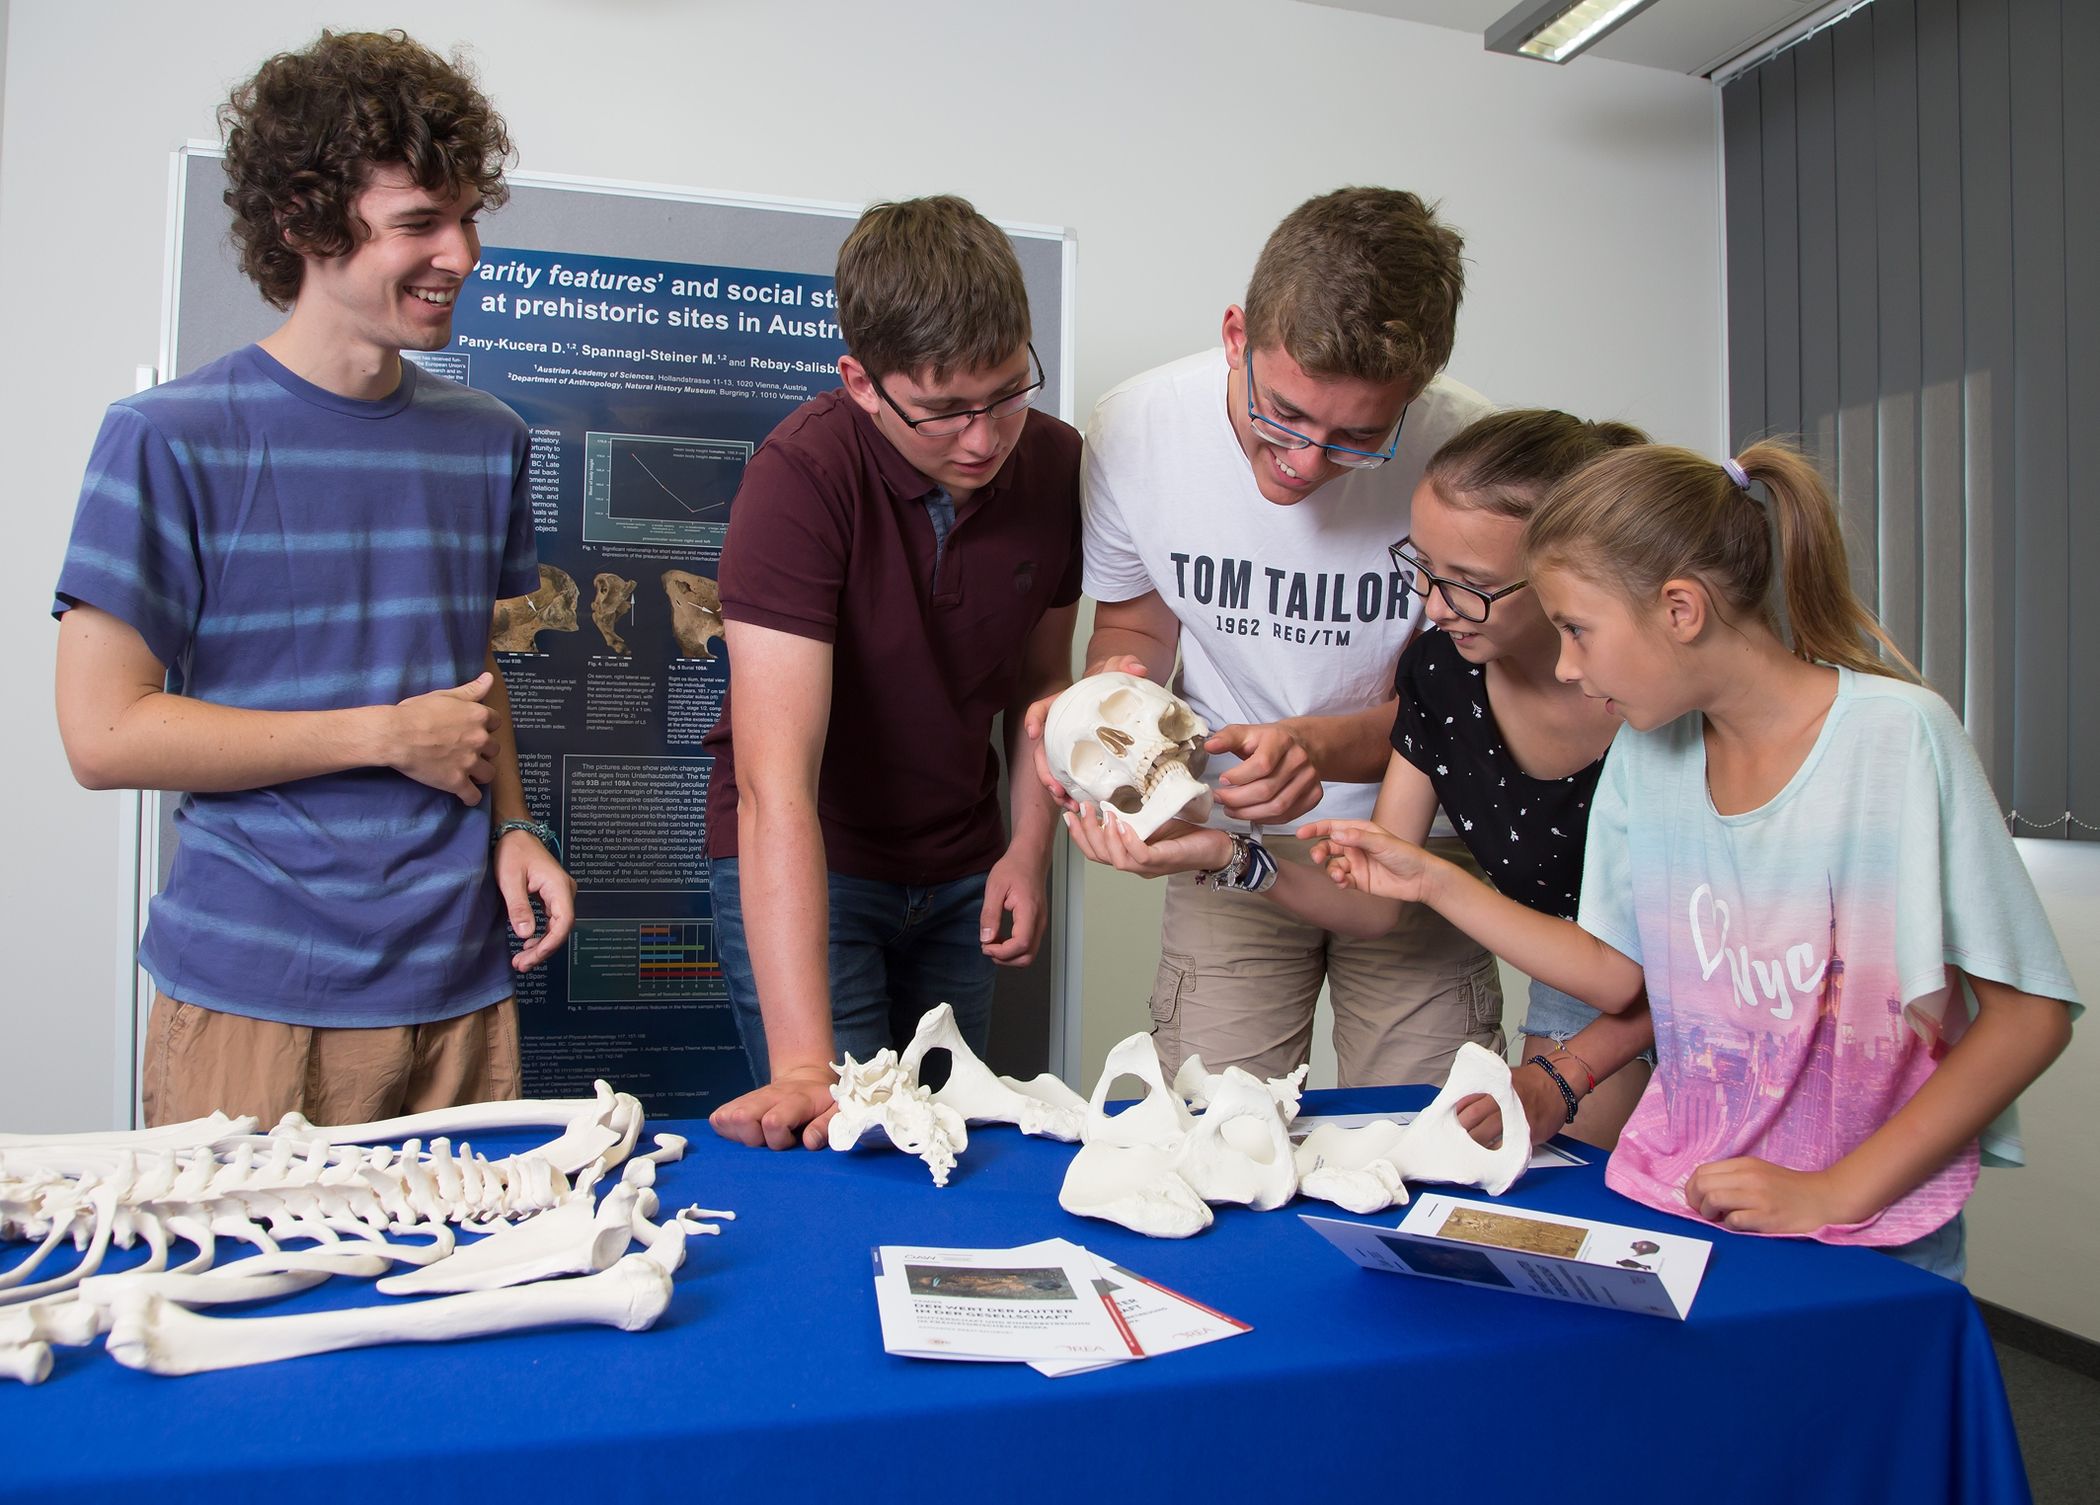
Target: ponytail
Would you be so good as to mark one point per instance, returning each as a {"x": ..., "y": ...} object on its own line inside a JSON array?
[
  {"x": 1635, "y": 518},
  {"x": 1826, "y": 620}
]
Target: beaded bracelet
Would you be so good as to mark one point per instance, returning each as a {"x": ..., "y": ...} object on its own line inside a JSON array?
[{"x": 1567, "y": 1093}]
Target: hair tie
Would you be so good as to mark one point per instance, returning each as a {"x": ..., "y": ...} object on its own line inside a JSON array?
[{"x": 1736, "y": 472}]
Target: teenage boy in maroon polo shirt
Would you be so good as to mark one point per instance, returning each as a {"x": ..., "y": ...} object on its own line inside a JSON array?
[{"x": 903, "y": 565}]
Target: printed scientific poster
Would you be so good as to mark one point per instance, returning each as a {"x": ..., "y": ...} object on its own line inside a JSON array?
[{"x": 646, "y": 386}]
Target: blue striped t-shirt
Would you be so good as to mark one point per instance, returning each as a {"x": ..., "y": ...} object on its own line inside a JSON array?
[{"x": 282, "y": 548}]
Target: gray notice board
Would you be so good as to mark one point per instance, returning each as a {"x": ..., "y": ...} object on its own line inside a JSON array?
[{"x": 636, "y": 450}]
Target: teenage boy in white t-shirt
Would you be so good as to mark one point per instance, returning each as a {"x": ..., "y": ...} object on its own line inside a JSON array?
[{"x": 1239, "y": 505}]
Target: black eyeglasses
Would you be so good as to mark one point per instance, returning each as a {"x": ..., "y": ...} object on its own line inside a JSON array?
[
  {"x": 946, "y": 425},
  {"x": 1290, "y": 438},
  {"x": 1466, "y": 601}
]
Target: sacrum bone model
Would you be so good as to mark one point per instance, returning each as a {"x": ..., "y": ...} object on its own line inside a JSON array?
[{"x": 356, "y": 1206}]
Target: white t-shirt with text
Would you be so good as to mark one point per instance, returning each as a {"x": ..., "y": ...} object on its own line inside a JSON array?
[{"x": 1284, "y": 611}]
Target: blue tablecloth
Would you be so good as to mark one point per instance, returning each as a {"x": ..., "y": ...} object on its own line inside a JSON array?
[{"x": 1803, "y": 1373}]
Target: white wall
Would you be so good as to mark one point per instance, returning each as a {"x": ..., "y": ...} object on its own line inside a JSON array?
[{"x": 2031, "y": 1230}]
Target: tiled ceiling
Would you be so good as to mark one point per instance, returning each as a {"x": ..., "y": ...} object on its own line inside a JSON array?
[{"x": 1684, "y": 36}]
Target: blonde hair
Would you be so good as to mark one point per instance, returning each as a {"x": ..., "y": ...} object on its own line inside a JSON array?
[
  {"x": 1505, "y": 463},
  {"x": 1636, "y": 518},
  {"x": 930, "y": 286},
  {"x": 1362, "y": 283}
]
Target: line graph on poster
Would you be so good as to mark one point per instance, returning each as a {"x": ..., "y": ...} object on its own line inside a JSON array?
[{"x": 660, "y": 488}]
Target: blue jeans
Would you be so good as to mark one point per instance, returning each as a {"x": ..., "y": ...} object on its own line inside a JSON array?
[
  {"x": 897, "y": 950},
  {"x": 1560, "y": 1017},
  {"x": 1944, "y": 1251}
]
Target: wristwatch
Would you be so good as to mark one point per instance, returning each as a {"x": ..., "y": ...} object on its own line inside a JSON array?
[{"x": 539, "y": 828}]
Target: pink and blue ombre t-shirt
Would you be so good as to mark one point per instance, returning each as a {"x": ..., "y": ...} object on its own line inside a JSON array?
[
  {"x": 1799, "y": 956},
  {"x": 282, "y": 548}
]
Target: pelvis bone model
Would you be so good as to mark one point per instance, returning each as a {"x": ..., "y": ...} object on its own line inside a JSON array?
[
  {"x": 1365, "y": 1169},
  {"x": 1157, "y": 1167},
  {"x": 1129, "y": 745},
  {"x": 884, "y": 1094}
]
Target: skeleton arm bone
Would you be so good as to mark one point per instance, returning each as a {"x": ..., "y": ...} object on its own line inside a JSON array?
[
  {"x": 593, "y": 1126},
  {"x": 150, "y": 1332}
]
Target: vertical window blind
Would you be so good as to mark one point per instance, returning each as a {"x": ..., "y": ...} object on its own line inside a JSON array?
[{"x": 1913, "y": 238}]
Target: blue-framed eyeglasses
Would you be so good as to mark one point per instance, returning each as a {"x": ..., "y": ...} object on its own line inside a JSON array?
[
  {"x": 945, "y": 425},
  {"x": 1289, "y": 438}
]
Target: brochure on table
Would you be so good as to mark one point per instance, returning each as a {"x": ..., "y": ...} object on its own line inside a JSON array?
[
  {"x": 1536, "y": 1253},
  {"x": 1053, "y": 1304},
  {"x": 1038, "y": 1302},
  {"x": 1161, "y": 1320}
]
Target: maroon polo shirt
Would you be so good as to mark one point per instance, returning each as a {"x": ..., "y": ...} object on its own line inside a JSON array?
[{"x": 830, "y": 539}]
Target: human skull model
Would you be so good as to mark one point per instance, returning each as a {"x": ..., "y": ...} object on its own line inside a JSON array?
[{"x": 1131, "y": 745}]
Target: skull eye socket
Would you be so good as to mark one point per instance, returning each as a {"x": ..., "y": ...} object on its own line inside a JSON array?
[
  {"x": 1122, "y": 705},
  {"x": 1178, "y": 724}
]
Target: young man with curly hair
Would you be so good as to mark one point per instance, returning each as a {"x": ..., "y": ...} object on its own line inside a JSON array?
[
  {"x": 1239, "y": 505},
  {"x": 276, "y": 599},
  {"x": 902, "y": 567}
]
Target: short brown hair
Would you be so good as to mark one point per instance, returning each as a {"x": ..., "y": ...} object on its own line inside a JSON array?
[
  {"x": 1362, "y": 283},
  {"x": 303, "y": 135},
  {"x": 930, "y": 285},
  {"x": 1505, "y": 463}
]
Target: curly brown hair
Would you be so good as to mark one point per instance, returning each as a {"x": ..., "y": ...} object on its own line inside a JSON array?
[{"x": 303, "y": 135}]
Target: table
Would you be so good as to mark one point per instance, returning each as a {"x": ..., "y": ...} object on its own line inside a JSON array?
[{"x": 1803, "y": 1373}]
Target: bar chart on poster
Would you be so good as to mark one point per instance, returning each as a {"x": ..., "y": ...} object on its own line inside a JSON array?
[{"x": 650, "y": 338}]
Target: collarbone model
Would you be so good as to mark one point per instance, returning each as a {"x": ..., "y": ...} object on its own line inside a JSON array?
[
  {"x": 1131, "y": 746},
  {"x": 358, "y": 1208},
  {"x": 885, "y": 1095}
]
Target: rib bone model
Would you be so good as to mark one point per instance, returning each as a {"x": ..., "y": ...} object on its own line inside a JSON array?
[{"x": 300, "y": 1204}]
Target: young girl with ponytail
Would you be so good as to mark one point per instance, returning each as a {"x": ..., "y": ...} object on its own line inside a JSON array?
[{"x": 1792, "y": 849}]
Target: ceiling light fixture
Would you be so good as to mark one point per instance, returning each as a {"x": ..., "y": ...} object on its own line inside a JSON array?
[{"x": 1553, "y": 31}]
